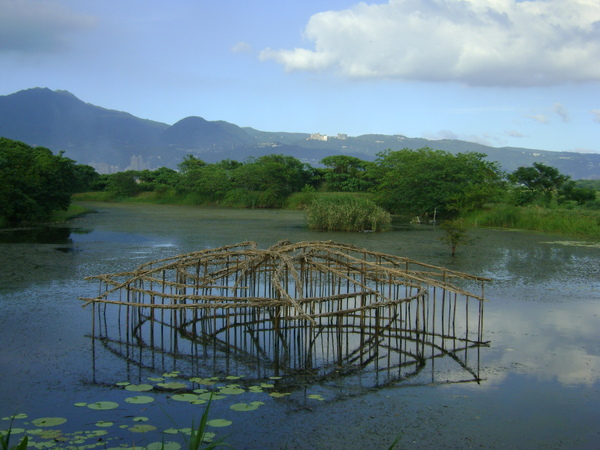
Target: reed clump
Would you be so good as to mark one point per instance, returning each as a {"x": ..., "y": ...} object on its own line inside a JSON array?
[
  {"x": 584, "y": 223},
  {"x": 343, "y": 213}
]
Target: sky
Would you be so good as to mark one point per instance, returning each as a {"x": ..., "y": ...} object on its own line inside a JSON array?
[{"x": 498, "y": 72}]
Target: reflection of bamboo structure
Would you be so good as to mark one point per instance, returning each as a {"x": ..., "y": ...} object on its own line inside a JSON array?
[{"x": 311, "y": 310}]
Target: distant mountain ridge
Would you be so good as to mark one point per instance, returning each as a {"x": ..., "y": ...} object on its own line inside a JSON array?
[{"x": 114, "y": 140}]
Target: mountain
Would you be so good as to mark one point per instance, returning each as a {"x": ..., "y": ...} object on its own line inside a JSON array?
[{"x": 113, "y": 140}]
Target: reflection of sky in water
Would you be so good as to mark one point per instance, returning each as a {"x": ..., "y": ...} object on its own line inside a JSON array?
[{"x": 554, "y": 342}]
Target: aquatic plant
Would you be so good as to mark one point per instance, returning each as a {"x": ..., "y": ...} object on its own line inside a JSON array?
[{"x": 343, "y": 213}]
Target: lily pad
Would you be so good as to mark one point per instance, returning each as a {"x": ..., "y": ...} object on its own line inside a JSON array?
[
  {"x": 218, "y": 423},
  {"x": 267, "y": 385},
  {"x": 245, "y": 406},
  {"x": 163, "y": 446},
  {"x": 173, "y": 385},
  {"x": 156, "y": 379},
  {"x": 275, "y": 378},
  {"x": 205, "y": 381},
  {"x": 139, "y": 387},
  {"x": 232, "y": 390},
  {"x": 232, "y": 377},
  {"x": 80, "y": 404},
  {"x": 16, "y": 416},
  {"x": 173, "y": 374},
  {"x": 316, "y": 397},
  {"x": 103, "y": 405},
  {"x": 139, "y": 399},
  {"x": 279, "y": 394},
  {"x": 142, "y": 428},
  {"x": 255, "y": 389},
  {"x": 185, "y": 397},
  {"x": 123, "y": 383},
  {"x": 140, "y": 419},
  {"x": 103, "y": 423},
  {"x": 49, "y": 421},
  {"x": 211, "y": 396}
]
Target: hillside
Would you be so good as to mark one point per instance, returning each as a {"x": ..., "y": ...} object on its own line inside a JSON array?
[{"x": 114, "y": 140}]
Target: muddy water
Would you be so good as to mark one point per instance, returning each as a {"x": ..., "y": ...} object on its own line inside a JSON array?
[{"x": 540, "y": 373}]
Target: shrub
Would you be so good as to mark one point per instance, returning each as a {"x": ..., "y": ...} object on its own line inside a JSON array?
[{"x": 342, "y": 213}]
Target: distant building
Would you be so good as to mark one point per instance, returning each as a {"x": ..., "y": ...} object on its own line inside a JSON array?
[
  {"x": 137, "y": 163},
  {"x": 342, "y": 136},
  {"x": 317, "y": 137}
]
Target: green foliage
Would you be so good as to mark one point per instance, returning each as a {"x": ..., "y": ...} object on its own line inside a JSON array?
[
  {"x": 539, "y": 184},
  {"x": 124, "y": 184},
  {"x": 346, "y": 213},
  {"x": 455, "y": 234},
  {"x": 5, "y": 441},
  {"x": 580, "y": 222},
  {"x": 33, "y": 183},
  {"x": 421, "y": 181},
  {"x": 346, "y": 174}
]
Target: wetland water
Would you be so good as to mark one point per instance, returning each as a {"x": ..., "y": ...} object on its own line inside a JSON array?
[{"x": 540, "y": 372}]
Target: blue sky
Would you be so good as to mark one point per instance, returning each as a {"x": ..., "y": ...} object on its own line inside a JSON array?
[{"x": 497, "y": 72}]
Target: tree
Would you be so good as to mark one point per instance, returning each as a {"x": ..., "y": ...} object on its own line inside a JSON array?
[
  {"x": 33, "y": 182},
  {"x": 425, "y": 180},
  {"x": 540, "y": 183},
  {"x": 346, "y": 174},
  {"x": 275, "y": 177}
]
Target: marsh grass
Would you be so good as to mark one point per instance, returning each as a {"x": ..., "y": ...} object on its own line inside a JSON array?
[
  {"x": 344, "y": 213},
  {"x": 583, "y": 223},
  {"x": 5, "y": 441}
]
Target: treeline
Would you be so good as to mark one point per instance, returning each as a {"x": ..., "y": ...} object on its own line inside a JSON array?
[{"x": 33, "y": 182}]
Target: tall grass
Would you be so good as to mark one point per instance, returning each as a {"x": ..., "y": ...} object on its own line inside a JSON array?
[
  {"x": 583, "y": 223},
  {"x": 343, "y": 213}
]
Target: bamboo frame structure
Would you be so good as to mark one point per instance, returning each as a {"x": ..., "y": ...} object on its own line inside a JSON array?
[{"x": 319, "y": 309}]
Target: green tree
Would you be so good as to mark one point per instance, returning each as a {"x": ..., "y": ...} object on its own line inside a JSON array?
[
  {"x": 124, "y": 184},
  {"x": 425, "y": 180},
  {"x": 268, "y": 180},
  {"x": 538, "y": 183},
  {"x": 33, "y": 182},
  {"x": 346, "y": 174}
]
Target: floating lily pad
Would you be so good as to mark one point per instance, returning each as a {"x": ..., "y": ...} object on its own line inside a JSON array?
[
  {"x": 42, "y": 445},
  {"x": 173, "y": 374},
  {"x": 205, "y": 381},
  {"x": 245, "y": 406},
  {"x": 185, "y": 397},
  {"x": 80, "y": 404},
  {"x": 18, "y": 430},
  {"x": 200, "y": 391},
  {"x": 316, "y": 397},
  {"x": 139, "y": 399},
  {"x": 279, "y": 394},
  {"x": 140, "y": 419},
  {"x": 255, "y": 389},
  {"x": 156, "y": 379},
  {"x": 275, "y": 378},
  {"x": 163, "y": 446},
  {"x": 139, "y": 387},
  {"x": 171, "y": 431},
  {"x": 218, "y": 423},
  {"x": 49, "y": 421},
  {"x": 35, "y": 431},
  {"x": 232, "y": 377},
  {"x": 142, "y": 428},
  {"x": 103, "y": 423},
  {"x": 173, "y": 385},
  {"x": 211, "y": 396},
  {"x": 231, "y": 390},
  {"x": 123, "y": 383},
  {"x": 103, "y": 405},
  {"x": 267, "y": 385},
  {"x": 16, "y": 416}
]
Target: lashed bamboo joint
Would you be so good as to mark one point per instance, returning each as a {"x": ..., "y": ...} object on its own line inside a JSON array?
[{"x": 298, "y": 278}]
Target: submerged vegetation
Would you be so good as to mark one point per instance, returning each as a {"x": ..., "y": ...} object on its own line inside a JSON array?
[{"x": 424, "y": 183}]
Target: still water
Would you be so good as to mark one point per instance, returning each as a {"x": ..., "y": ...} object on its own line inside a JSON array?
[{"x": 539, "y": 373}]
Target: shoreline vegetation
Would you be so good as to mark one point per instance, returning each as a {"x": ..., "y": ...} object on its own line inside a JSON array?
[
  {"x": 574, "y": 222},
  {"x": 344, "y": 194}
]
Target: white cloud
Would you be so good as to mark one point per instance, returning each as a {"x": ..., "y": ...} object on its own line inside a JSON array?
[
  {"x": 561, "y": 111},
  {"x": 241, "y": 47},
  {"x": 514, "y": 133},
  {"x": 34, "y": 26},
  {"x": 539, "y": 118},
  {"x": 477, "y": 42}
]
